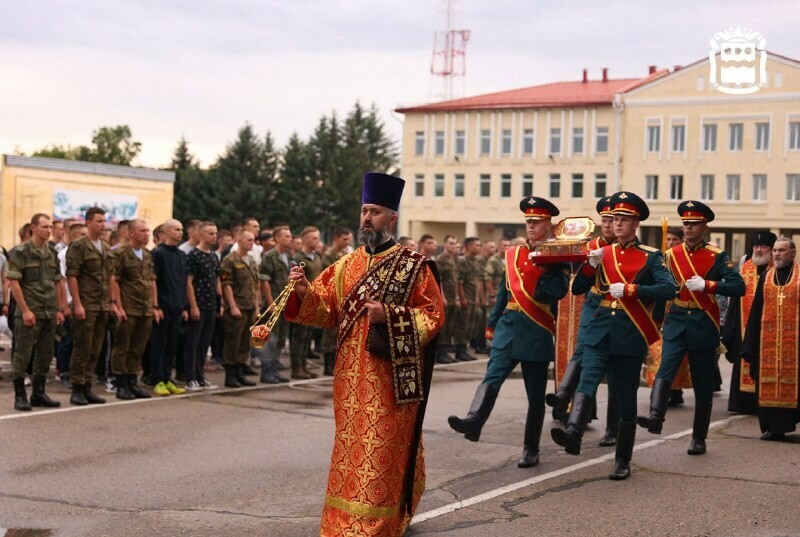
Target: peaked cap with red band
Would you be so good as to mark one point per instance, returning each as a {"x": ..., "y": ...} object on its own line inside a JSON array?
[
  {"x": 603, "y": 207},
  {"x": 536, "y": 208},
  {"x": 629, "y": 204},
  {"x": 695, "y": 211}
]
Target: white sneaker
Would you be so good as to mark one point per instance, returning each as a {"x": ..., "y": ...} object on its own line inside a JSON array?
[
  {"x": 110, "y": 387},
  {"x": 207, "y": 385},
  {"x": 193, "y": 386},
  {"x": 27, "y": 380},
  {"x": 255, "y": 362}
]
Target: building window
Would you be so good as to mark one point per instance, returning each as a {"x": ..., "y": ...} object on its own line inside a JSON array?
[
  {"x": 439, "y": 142},
  {"x": 486, "y": 185},
  {"x": 486, "y": 141},
  {"x": 458, "y": 185},
  {"x": 793, "y": 187},
  {"x": 555, "y": 141},
  {"x": 419, "y": 185},
  {"x": 733, "y": 182},
  {"x": 600, "y": 181},
  {"x": 555, "y": 185},
  {"x": 438, "y": 185},
  {"x": 601, "y": 140},
  {"x": 506, "y": 141},
  {"x": 707, "y": 187},
  {"x": 527, "y": 185},
  {"x": 759, "y": 187},
  {"x": 651, "y": 187},
  {"x": 460, "y": 148},
  {"x": 505, "y": 185},
  {"x": 762, "y": 136},
  {"x": 653, "y": 138},
  {"x": 678, "y": 138},
  {"x": 735, "y": 131},
  {"x": 675, "y": 187},
  {"x": 527, "y": 141},
  {"x": 577, "y": 141},
  {"x": 709, "y": 138},
  {"x": 419, "y": 143},
  {"x": 794, "y": 135},
  {"x": 577, "y": 185}
]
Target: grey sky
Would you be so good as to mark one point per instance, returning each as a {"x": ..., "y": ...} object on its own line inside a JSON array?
[{"x": 202, "y": 68}]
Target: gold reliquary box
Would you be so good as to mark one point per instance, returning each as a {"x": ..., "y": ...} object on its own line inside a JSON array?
[{"x": 570, "y": 242}]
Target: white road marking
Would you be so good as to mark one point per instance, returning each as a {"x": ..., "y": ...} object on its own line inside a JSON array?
[
  {"x": 113, "y": 401},
  {"x": 490, "y": 495}
]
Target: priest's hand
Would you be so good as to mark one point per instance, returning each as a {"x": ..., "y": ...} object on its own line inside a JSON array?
[
  {"x": 696, "y": 283},
  {"x": 298, "y": 275},
  {"x": 375, "y": 312},
  {"x": 596, "y": 257},
  {"x": 617, "y": 290}
]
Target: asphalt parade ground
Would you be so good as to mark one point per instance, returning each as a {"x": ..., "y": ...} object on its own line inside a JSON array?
[{"x": 254, "y": 462}]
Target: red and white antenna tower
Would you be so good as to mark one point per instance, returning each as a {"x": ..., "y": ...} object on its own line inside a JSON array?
[{"x": 449, "y": 53}]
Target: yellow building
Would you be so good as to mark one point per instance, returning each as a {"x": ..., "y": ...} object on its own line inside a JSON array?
[
  {"x": 667, "y": 136},
  {"x": 66, "y": 188}
]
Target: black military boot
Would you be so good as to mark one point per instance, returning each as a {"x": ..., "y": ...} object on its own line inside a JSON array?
[
  {"x": 569, "y": 382},
  {"x": 123, "y": 389},
  {"x": 231, "y": 379},
  {"x": 570, "y": 437},
  {"x": 330, "y": 361},
  {"x": 622, "y": 460},
  {"x": 20, "y": 395},
  {"x": 91, "y": 397},
  {"x": 675, "y": 398},
  {"x": 533, "y": 432},
  {"x": 39, "y": 397},
  {"x": 77, "y": 397},
  {"x": 267, "y": 374},
  {"x": 240, "y": 372},
  {"x": 246, "y": 370},
  {"x": 702, "y": 419},
  {"x": 135, "y": 390},
  {"x": 479, "y": 410},
  {"x": 612, "y": 421},
  {"x": 658, "y": 407},
  {"x": 443, "y": 355},
  {"x": 462, "y": 355}
]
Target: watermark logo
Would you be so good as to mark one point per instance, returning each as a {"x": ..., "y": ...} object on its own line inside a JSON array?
[{"x": 738, "y": 59}]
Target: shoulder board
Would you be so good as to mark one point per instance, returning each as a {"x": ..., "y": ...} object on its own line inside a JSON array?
[
  {"x": 647, "y": 248},
  {"x": 714, "y": 249}
]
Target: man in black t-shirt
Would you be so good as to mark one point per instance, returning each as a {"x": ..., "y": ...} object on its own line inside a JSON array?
[{"x": 202, "y": 291}]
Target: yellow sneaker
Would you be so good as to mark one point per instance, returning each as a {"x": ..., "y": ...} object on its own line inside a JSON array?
[
  {"x": 174, "y": 390},
  {"x": 161, "y": 389}
]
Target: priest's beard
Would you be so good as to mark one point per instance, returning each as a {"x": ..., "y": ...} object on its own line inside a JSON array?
[
  {"x": 783, "y": 263},
  {"x": 761, "y": 260},
  {"x": 372, "y": 238}
]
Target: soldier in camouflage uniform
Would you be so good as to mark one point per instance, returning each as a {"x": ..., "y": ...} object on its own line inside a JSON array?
[
  {"x": 89, "y": 267},
  {"x": 38, "y": 289},
  {"x": 274, "y": 275},
  {"x": 478, "y": 340},
  {"x": 342, "y": 239},
  {"x": 239, "y": 278},
  {"x": 300, "y": 338},
  {"x": 448, "y": 272},
  {"x": 470, "y": 291},
  {"x": 134, "y": 290}
]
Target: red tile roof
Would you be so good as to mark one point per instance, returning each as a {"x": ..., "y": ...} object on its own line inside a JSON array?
[{"x": 553, "y": 95}]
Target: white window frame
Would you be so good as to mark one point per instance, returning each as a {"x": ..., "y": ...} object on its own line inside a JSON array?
[
  {"x": 419, "y": 138},
  {"x": 597, "y": 137},
  {"x": 735, "y": 140},
  {"x": 793, "y": 135},
  {"x": 710, "y": 128},
  {"x": 485, "y": 136},
  {"x": 507, "y": 142},
  {"x": 459, "y": 180},
  {"x": 733, "y": 195},
  {"x": 706, "y": 185},
  {"x": 600, "y": 179},
  {"x": 759, "y": 187},
  {"x": 651, "y": 187},
  {"x": 419, "y": 182},
  {"x": 555, "y": 134},
  {"x": 438, "y": 185},
  {"x": 527, "y": 179},
  {"x": 762, "y": 136},
  {"x": 505, "y": 181},
  {"x": 485, "y": 179},
  {"x": 554, "y": 179},
  {"x": 576, "y": 180},
  {"x": 438, "y": 143},
  {"x": 678, "y": 138},
  {"x": 676, "y": 193},
  {"x": 652, "y": 143},
  {"x": 793, "y": 187},
  {"x": 578, "y": 135},
  {"x": 528, "y": 137},
  {"x": 460, "y": 137}
]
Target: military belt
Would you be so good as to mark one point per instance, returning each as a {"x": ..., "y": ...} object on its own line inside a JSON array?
[
  {"x": 688, "y": 304},
  {"x": 513, "y": 306},
  {"x": 613, "y": 304}
]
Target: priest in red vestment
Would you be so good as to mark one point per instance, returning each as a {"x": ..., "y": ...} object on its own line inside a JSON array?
[{"x": 386, "y": 303}]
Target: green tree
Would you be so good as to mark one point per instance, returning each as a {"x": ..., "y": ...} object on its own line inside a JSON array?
[
  {"x": 191, "y": 199},
  {"x": 112, "y": 145},
  {"x": 291, "y": 198}
]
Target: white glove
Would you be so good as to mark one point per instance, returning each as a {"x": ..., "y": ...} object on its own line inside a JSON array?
[
  {"x": 596, "y": 257},
  {"x": 617, "y": 290},
  {"x": 696, "y": 283}
]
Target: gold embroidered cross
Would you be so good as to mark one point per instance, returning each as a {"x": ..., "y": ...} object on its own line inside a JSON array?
[
  {"x": 350, "y": 406},
  {"x": 371, "y": 442},
  {"x": 348, "y": 437},
  {"x": 353, "y": 305},
  {"x": 781, "y": 296},
  {"x": 402, "y": 325}
]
